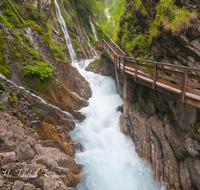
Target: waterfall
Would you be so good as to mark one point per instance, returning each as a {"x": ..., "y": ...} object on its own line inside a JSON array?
[
  {"x": 79, "y": 40},
  {"x": 93, "y": 29},
  {"x": 65, "y": 10},
  {"x": 64, "y": 29},
  {"x": 94, "y": 53},
  {"x": 109, "y": 157}
]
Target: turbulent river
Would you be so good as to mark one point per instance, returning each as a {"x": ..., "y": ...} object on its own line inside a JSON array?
[{"x": 109, "y": 157}]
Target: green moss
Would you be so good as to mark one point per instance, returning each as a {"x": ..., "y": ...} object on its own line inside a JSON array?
[
  {"x": 170, "y": 17},
  {"x": 3, "y": 20},
  {"x": 4, "y": 70},
  {"x": 76, "y": 43},
  {"x": 1, "y": 105}
]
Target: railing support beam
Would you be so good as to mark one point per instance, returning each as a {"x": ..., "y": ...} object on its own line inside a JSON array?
[
  {"x": 125, "y": 105},
  {"x": 184, "y": 85},
  {"x": 136, "y": 68},
  {"x": 154, "y": 76}
]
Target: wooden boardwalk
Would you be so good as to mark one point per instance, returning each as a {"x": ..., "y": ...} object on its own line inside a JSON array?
[{"x": 164, "y": 77}]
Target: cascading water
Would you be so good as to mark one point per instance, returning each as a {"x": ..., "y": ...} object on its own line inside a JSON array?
[
  {"x": 94, "y": 53},
  {"x": 109, "y": 159},
  {"x": 93, "y": 29},
  {"x": 64, "y": 29},
  {"x": 65, "y": 10},
  {"x": 79, "y": 40}
]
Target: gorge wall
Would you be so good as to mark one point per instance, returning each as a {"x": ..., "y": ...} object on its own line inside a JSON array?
[
  {"x": 36, "y": 151},
  {"x": 164, "y": 130}
]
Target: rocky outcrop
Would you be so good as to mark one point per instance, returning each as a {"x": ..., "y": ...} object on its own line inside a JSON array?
[
  {"x": 164, "y": 132},
  {"x": 154, "y": 30},
  {"x": 36, "y": 151}
]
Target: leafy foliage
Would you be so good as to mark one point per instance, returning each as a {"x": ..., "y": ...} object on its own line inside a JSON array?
[{"x": 42, "y": 70}]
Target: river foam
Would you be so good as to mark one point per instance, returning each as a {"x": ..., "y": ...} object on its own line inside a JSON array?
[{"x": 109, "y": 157}]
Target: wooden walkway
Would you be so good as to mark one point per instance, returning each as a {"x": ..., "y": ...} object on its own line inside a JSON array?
[{"x": 167, "y": 78}]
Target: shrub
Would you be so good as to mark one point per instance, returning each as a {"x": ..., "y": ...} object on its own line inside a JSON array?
[
  {"x": 41, "y": 69},
  {"x": 14, "y": 99}
]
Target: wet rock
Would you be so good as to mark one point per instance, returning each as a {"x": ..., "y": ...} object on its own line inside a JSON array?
[
  {"x": 62, "y": 159},
  {"x": 47, "y": 184},
  {"x": 18, "y": 185},
  {"x": 24, "y": 151},
  {"x": 1, "y": 183},
  {"x": 8, "y": 157},
  {"x": 78, "y": 146},
  {"x": 28, "y": 186},
  {"x": 196, "y": 145},
  {"x": 190, "y": 147},
  {"x": 120, "y": 108},
  {"x": 48, "y": 131}
]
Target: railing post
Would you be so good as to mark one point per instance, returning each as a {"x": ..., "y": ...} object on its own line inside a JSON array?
[
  {"x": 184, "y": 85},
  {"x": 154, "y": 76},
  {"x": 125, "y": 105},
  {"x": 136, "y": 68},
  {"x": 119, "y": 62},
  {"x": 123, "y": 61}
]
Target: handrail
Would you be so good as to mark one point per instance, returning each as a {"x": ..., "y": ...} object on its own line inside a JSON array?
[
  {"x": 149, "y": 61},
  {"x": 175, "y": 78}
]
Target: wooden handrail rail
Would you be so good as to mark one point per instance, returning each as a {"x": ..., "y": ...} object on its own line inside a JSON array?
[
  {"x": 149, "y": 61},
  {"x": 174, "y": 78}
]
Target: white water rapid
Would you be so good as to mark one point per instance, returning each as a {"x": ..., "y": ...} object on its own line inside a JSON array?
[
  {"x": 93, "y": 29},
  {"x": 64, "y": 29},
  {"x": 109, "y": 157}
]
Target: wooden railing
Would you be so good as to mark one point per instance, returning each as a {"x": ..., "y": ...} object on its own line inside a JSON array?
[{"x": 164, "y": 77}]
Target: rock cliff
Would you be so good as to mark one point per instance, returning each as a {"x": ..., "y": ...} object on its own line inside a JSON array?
[{"x": 36, "y": 151}]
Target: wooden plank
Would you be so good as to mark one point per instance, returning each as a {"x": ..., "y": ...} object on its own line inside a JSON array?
[
  {"x": 194, "y": 84},
  {"x": 169, "y": 83},
  {"x": 192, "y": 76},
  {"x": 136, "y": 70},
  {"x": 193, "y": 91},
  {"x": 119, "y": 62},
  {"x": 184, "y": 85},
  {"x": 154, "y": 76},
  {"x": 177, "y": 73},
  {"x": 192, "y": 102},
  {"x": 169, "y": 78}
]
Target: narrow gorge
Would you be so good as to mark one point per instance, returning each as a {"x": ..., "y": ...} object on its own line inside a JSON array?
[{"x": 63, "y": 126}]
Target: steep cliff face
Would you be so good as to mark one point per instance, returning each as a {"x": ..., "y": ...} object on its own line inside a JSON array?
[
  {"x": 33, "y": 134},
  {"x": 36, "y": 54},
  {"x": 163, "y": 129},
  {"x": 166, "y": 31}
]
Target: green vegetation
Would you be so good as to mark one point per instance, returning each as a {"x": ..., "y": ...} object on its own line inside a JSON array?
[
  {"x": 1, "y": 105},
  {"x": 14, "y": 99},
  {"x": 2, "y": 85},
  {"x": 7, "y": 119},
  {"x": 42, "y": 70},
  {"x": 135, "y": 33},
  {"x": 198, "y": 127},
  {"x": 15, "y": 111},
  {"x": 12, "y": 144}
]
